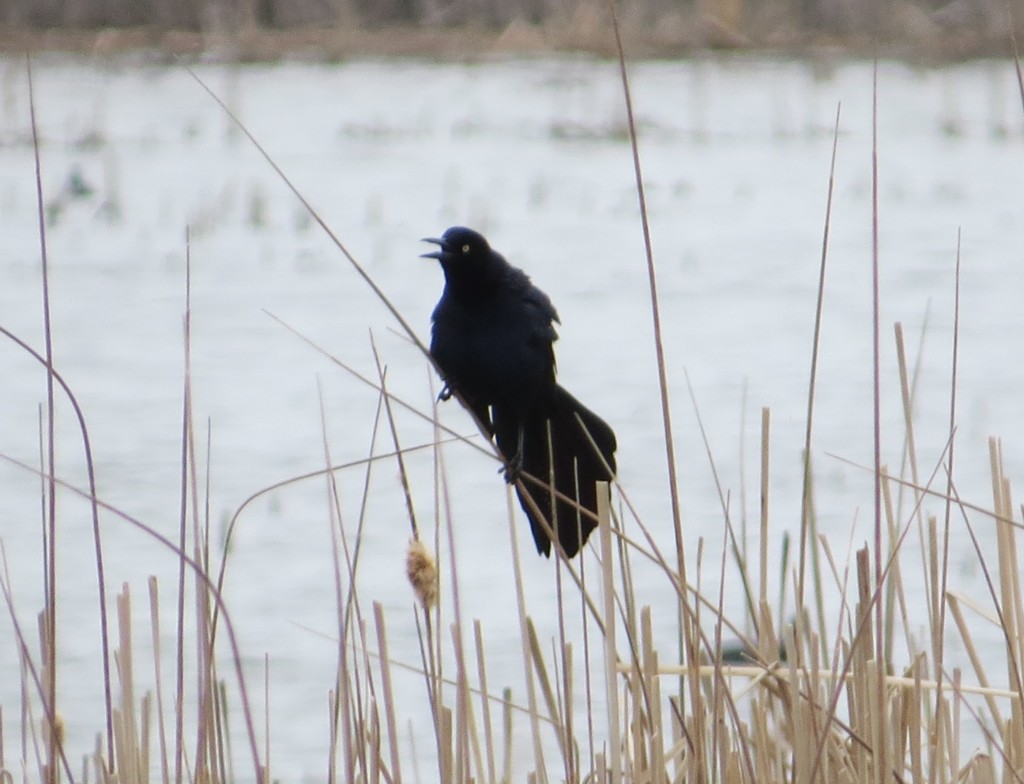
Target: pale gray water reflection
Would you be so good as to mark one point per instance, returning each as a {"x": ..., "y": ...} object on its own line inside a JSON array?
[{"x": 736, "y": 158}]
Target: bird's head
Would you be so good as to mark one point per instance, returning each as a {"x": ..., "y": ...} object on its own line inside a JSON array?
[{"x": 458, "y": 244}]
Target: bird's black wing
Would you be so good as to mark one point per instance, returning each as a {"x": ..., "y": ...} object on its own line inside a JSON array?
[{"x": 541, "y": 317}]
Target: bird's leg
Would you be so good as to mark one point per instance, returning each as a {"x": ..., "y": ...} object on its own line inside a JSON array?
[
  {"x": 446, "y": 393},
  {"x": 515, "y": 463}
]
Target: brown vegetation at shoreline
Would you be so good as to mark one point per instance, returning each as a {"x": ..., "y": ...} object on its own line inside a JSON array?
[{"x": 264, "y": 31}]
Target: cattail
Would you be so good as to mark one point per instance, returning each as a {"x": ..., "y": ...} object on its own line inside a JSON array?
[
  {"x": 54, "y": 732},
  {"x": 421, "y": 570}
]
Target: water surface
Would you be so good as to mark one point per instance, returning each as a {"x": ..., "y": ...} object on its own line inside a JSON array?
[{"x": 533, "y": 153}]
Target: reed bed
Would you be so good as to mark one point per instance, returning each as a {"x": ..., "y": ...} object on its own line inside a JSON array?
[
  {"x": 803, "y": 702},
  {"x": 272, "y": 29},
  {"x": 820, "y": 690},
  {"x": 731, "y": 16}
]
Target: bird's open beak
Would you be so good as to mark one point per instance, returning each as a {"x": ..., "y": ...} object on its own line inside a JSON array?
[{"x": 437, "y": 254}]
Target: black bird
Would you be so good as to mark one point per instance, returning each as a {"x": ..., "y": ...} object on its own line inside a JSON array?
[{"x": 492, "y": 339}]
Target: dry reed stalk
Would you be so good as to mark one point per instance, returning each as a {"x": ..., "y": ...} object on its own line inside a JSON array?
[
  {"x": 939, "y": 619},
  {"x": 126, "y": 739},
  {"x": 1012, "y": 606},
  {"x": 614, "y": 770},
  {"x": 459, "y": 731},
  {"x": 485, "y": 703},
  {"x": 763, "y": 529},
  {"x": 345, "y": 703},
  {"x": 543, "y": 682},
  {"x": 47, "y": 474},
  {"x": 723, "y": 500},
  {"x": 32, "y": 678},
  {"x": 524, "y": 636},
  {"x": 387, "y": 693},
  {"x": 894, "y": 592},
  {"x": 52, "y": 736},
  {"x": 589, "y": 671},
  {"x": 182, "y": 546},
  {"x": 808, "y": 521},
  {"x": 154, "y": 624}
]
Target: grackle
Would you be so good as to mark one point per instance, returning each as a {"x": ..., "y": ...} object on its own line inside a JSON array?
[{"x": 492, "y": 339}]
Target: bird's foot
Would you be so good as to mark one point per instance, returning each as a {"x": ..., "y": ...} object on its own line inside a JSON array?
[
  {"x": 512, "y": 469},
  {"x": 446, "y": 393}
]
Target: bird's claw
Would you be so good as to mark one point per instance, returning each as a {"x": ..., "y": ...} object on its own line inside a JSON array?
[
  {"x": 446, "y": 393},
  {"x": 512, "y": 469}
]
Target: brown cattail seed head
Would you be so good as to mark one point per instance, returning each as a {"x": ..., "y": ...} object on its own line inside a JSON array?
[
  {"x": 421, "y": 570},
  {"x": 55, "y": 732}
]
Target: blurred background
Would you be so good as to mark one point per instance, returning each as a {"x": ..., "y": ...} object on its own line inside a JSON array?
[{"x": 340, "y": 28}]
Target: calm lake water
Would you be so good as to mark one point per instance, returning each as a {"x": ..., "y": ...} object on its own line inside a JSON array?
[{"x": 533, "y": 153}]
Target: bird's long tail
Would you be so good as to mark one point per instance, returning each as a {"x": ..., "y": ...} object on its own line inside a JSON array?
[{"x": 566, "y": 444}]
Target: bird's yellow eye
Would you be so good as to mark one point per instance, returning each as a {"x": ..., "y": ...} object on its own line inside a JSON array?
[{"x": 465, "y": 248}]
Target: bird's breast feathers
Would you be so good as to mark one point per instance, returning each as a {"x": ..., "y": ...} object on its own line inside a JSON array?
[{"x": 503, "y": 350}]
